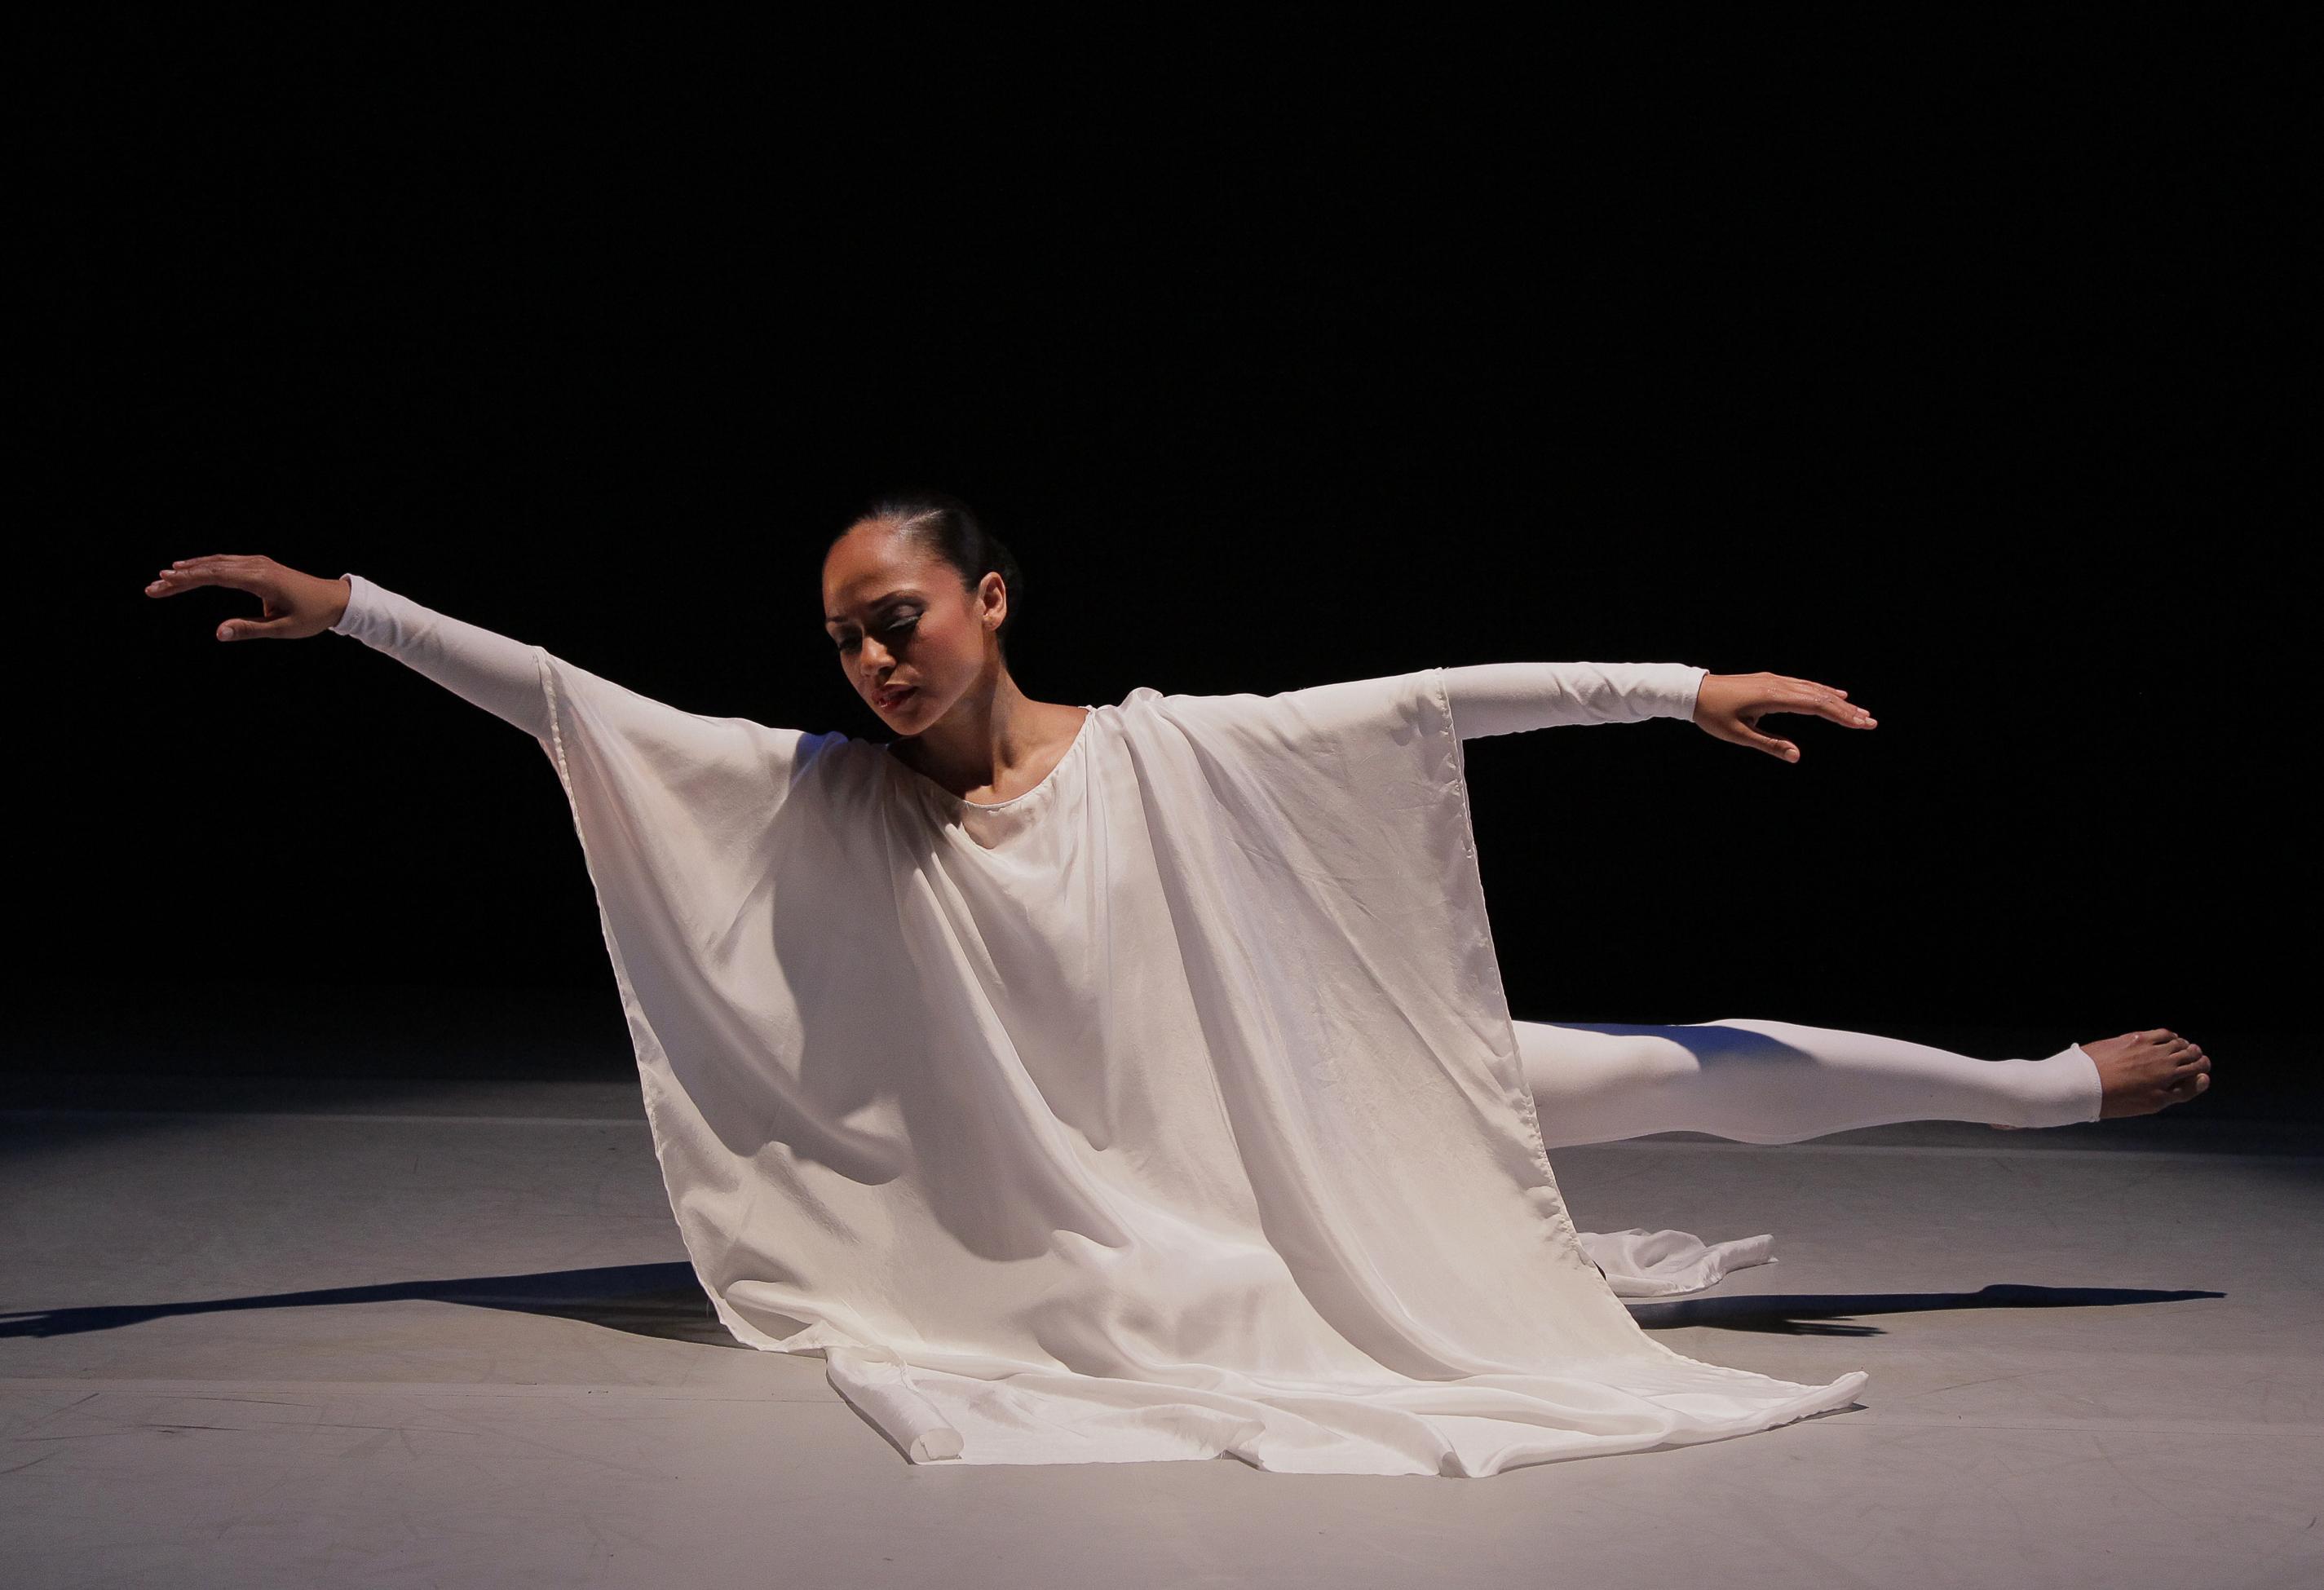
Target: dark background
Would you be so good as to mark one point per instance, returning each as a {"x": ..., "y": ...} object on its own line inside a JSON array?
[{"x": 1961, "y": 374}]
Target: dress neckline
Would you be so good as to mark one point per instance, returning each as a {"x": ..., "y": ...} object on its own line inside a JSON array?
[{"x": 1072, "y": 749}]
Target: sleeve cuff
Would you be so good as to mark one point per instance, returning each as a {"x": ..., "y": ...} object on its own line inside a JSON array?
[
  {"x": 351, "y": 621},
  {"x": 1691, "y": 695}
]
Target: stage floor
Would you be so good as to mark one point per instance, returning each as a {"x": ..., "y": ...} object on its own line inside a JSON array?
[{"x": 272, "y": 1334}]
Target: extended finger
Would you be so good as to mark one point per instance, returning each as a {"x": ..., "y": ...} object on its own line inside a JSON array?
[
  {"x": 187, "y": 574},
  {"x": 252, "y": 629},
  {"x": 170, "y": 582},
  {"x": 1847, "y": 712},
  {"x": 1783, "y": 751},
  {"x": 1825, "y": 702}
]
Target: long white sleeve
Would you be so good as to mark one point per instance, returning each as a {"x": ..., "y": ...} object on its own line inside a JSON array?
[
  {"x": 493, "y": 671},
  {"x": 1503, "y": 698}
]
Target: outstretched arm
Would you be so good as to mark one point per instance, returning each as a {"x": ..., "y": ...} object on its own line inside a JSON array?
[
  {"x": 491, "y": 670},
  {"x": 501, "y": 675},
  {"x": 1504, "y": 698},
  {"x": 1501, "y": 698}
]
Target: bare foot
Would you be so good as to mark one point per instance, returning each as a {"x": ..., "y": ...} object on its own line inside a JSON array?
[{"x": 2146, "y": 1072}]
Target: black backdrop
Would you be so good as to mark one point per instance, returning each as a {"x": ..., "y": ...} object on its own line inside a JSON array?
[{"x": 1965, "y": 381}]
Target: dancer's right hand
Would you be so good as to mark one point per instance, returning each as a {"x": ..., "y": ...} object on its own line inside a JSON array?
[{"x": 292, "y": 605}]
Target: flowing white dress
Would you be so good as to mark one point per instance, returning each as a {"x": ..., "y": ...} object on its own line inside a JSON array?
[{"x": 1169, "y": 1109}]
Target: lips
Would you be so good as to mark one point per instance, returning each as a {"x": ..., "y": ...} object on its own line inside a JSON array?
[{"x": 889, "y": 698}]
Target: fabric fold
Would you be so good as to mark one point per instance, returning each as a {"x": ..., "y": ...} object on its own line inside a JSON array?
[{"x": 1642, "y": 1264}]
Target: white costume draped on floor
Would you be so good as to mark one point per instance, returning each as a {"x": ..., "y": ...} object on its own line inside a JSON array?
[{"x": 1168, "y": 1110}]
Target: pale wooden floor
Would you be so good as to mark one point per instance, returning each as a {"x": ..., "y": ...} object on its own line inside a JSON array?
[{"x": 433, "y": 1335}]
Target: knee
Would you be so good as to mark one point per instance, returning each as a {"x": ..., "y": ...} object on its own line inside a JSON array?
[{"x": 1595, "y": 1058}]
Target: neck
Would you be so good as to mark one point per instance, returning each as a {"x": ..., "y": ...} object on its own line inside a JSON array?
[{"x": 987, "y": 734}]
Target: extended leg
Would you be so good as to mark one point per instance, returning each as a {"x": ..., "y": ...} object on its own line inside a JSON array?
[{"x": 1771, "y": 1081}]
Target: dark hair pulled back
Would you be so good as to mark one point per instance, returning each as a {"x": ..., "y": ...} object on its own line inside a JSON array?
[{"x": 941, "y": 523}]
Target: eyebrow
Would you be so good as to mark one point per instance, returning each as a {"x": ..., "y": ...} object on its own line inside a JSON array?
[{"x": 875, "y": 605}]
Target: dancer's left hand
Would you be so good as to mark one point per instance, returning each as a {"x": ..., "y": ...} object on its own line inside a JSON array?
[{"x": 1731, "y": 705}]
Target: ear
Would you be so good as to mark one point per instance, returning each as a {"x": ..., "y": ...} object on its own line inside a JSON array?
[{"x": 992, "y": 598}]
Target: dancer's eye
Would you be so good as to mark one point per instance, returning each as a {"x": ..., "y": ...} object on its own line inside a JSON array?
[{"x": 845, "y": 641}]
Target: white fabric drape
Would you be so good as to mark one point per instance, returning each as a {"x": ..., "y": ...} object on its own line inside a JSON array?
[{"x": 1168, "y": 1110}]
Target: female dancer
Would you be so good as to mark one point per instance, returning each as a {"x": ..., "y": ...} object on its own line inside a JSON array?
[
  {"x": 917, "y": 602},
  {"x": 1113, "y": 1083}
]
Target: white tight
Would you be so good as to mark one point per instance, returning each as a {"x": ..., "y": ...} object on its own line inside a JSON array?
[{"x": 1774, "y": 1082}]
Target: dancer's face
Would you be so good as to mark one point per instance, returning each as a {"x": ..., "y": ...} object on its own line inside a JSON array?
[{"x": 899, "y": 616}]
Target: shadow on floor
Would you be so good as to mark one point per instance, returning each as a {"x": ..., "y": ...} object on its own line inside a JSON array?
[
  {"x": 645, "y": 1300},
  {"x": 1813, "y": 1314},
  {"x": 666, "y": 1301}
]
